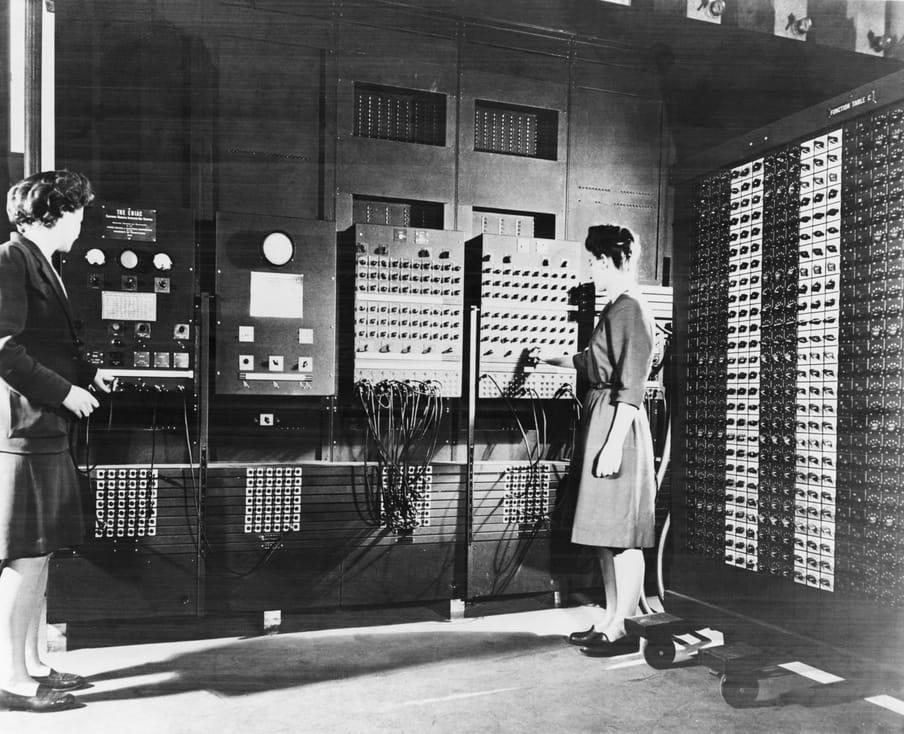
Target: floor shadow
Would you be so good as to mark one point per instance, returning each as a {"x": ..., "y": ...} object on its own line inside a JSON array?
[{"x": 248, "y": 666}]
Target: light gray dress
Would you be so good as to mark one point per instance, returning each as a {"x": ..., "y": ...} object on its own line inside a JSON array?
[{"x": 616, "y": 511}]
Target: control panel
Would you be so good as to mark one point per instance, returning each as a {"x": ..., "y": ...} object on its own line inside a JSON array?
[
  {"x": 524, "y": 293},
  {"x": 276, "y": 306},
  {"x": 794, "y": 409},
  {"x": 132, "y": 279},
  {"x": 406, "y": 500},
  {"x": 272, "y": 499},
  {"x": 526, "y": 494},
  {"x": 125, "y": 501},
  {"x": 408, "y": 303}
]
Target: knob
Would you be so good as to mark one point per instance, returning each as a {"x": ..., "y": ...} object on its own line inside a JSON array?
[
  {"x": 128, "y": 259},
  {"x": 96, "y": 257},
  {"x": 163, "y": 262}
]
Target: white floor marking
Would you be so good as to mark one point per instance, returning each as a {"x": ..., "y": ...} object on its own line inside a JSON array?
[
  {"x": 453, "y": 697},
  {"x": 808, "y": 671},
  {"x": 626, "y": 663},
  {"x": 888, "y": 702}
]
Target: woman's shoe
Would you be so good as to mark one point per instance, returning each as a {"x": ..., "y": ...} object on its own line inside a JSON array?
[
  {"x": 61, "y": 681},
  {"x": 44, "y": 701},
  {"x": 604, "y": 647},
  {"x": 584, "y": 636}
]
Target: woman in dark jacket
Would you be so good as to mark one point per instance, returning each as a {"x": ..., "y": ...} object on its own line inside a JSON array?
[
  {"x": 43, "y": 391},
  {"x": 613, "y": 462}
]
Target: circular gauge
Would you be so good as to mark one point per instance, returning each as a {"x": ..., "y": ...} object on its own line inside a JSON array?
[
  {"x": 128, "y": 259},
  {"x": 163, "y": 262},
  {"x": 278, "y": 248},
  {"x": 95, "y": 256}
]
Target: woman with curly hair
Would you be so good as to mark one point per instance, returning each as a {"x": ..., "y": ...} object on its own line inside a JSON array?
[{"x": 44, "y": 390}]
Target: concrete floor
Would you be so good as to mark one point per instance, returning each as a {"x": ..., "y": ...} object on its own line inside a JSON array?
[{"x": 502, "y": 673}]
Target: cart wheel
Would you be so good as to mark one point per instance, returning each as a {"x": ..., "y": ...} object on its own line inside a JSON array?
[
  {"x": 659, "y": 654},
  {"x": 739, "y": 691}
]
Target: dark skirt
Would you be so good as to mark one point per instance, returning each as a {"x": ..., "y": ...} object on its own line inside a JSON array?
[
  {"x": 616, "y": 511},
  {"x": 40, "y": 504}
]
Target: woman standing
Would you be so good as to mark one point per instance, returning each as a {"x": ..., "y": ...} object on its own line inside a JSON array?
[
  {"x": 613, "y": 460},
  {"x": 43, "y": 381}
]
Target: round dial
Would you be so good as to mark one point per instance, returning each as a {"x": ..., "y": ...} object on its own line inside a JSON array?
[
  {"x": 95, "y": 256},
  {"x": 278, "y": 248},
  {"x": 163, "y": 262},
  {"x": 128, "y": 259}
]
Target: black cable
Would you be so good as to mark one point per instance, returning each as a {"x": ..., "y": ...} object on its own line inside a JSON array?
[
  {"x": 399, "y": 417},
  {"x": 196, "y": 540}
]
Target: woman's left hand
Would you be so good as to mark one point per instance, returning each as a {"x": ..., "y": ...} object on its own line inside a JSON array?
[
  {"x": 608, "y": 461},
  {"x": 104, "y": 380}
]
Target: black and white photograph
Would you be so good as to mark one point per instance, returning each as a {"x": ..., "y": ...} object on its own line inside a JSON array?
[{"x": 444, "y": 365}]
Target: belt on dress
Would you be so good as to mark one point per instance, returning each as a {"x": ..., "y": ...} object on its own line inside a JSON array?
[{"x": 601, "y": 386}]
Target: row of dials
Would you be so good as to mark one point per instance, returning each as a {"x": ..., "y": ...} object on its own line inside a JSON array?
[{"x": 128, "y": 259}]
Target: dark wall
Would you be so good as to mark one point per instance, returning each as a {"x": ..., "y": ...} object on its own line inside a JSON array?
[
  {"x": 250, "y": 109},
  {"x": 718, "y": 81},
  {"x": 245, "y": 107}
]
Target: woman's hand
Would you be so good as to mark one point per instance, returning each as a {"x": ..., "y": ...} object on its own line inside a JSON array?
[
  {"x": 546, "y": 356},
  {"x": 104, "y": 380},
  {"x": 608, "y": 461},
  {"x": 80, "y": 402}
]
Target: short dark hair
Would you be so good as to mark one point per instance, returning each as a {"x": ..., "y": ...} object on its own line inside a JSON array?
[
  {"x": 611, "y": 240},
  {"x": 44, "y": 197}
]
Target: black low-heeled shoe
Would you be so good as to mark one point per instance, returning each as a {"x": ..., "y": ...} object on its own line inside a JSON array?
[
  {"x": 61, "y": 681},
  {"x": 604, "y": 647},
  {"x": 584, "y": 636},
  {"x": 44, "y": 701}
]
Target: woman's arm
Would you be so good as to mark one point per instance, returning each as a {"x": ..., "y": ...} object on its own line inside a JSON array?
[
  {"x": 21, "y": 371},
  {"x": 632, "y": 349},
  {"x": 565, "y": 360},
  {"x": 17, "y": 367},
  {"x": 608, "y": 460}
]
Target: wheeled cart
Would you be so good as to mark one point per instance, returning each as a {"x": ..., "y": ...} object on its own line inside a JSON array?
[{"x": 669, "y": 640}]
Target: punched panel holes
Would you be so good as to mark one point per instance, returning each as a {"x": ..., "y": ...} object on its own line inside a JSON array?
[
  {"x": 526, "y": 498},
  {"x": 273, "y": 499},
  {"x": 402, "y": 115},
  {"x": 414, "y": 494},
  {"x": 515, "y": 130},
  {"x": 378, "y": 212},
  {"x": 125, "y": 502}
]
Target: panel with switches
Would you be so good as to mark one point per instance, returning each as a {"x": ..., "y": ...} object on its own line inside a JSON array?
[
  {"x": 276, "y": 306},
  {"x": 408, "y": 305},
  {"x": 131, "y": 278},
  {"x": 794, "y": 369},
  {"x": 525, "y": 293}
]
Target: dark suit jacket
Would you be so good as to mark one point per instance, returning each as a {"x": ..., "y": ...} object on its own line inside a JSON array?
[{"x": 40, "y": 352}]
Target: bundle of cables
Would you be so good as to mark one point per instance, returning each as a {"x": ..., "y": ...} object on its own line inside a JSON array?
[{"x": 403, "y": 423}]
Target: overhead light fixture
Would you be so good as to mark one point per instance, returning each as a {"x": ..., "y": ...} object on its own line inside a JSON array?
[
  {"x": 714, "y": 8},
  {"x": 799, "y": 26},
  {"x": 882, "y": 44}
]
